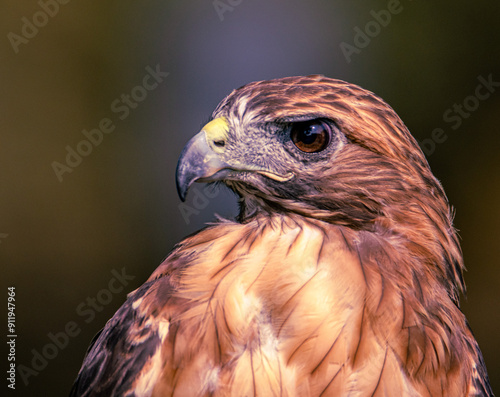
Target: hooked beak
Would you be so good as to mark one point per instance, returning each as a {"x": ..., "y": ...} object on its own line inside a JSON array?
[
  {"x": 197, "y": 161},
  {"x": 201, "y": 160}
]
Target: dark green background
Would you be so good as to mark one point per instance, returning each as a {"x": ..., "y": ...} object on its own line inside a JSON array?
[{"x": 119, "y": 207}]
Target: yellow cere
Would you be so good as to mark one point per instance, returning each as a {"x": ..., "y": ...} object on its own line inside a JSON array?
[{"x": 217, "y": 129}]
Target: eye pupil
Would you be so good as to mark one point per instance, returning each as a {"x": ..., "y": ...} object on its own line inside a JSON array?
[{"x": 310, "y": 136}]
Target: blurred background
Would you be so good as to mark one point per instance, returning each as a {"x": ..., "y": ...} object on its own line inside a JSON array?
[{"x": 69, "y": 225}]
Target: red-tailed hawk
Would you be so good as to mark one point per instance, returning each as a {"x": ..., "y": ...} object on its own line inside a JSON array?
[{"x": 341, "y": 275}]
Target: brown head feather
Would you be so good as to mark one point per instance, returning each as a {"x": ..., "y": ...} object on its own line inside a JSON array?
[{"x": 380, "y": 181}]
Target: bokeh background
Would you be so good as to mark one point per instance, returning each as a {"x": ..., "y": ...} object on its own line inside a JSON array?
[{"x": 60, "y": 241}]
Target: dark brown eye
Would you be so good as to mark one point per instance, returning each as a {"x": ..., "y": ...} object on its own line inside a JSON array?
[{"x": 310, "y": 136}]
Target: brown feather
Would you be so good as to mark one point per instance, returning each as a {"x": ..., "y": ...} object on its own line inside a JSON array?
[{"x": 343, "y": 281}]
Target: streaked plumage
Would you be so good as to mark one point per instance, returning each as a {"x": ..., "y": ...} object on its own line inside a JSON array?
[{"x": 341, "y": 275}]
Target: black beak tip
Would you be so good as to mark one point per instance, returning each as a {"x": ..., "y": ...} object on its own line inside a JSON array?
[
  {"x": 182, "y": 192},
  {"x": 182, "y": 184},
  {"x": 181, "y": 195}
]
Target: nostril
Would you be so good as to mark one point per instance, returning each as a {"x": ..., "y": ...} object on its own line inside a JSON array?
[{"x": 219, "y": 143}]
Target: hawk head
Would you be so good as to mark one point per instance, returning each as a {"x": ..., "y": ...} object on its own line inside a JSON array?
[{"x": 329, "y": 150}]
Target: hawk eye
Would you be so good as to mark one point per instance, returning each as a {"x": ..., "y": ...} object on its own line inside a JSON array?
[{"x": 310, "y": 136}]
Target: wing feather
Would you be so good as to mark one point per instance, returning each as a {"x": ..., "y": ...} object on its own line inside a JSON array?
[{"x": 119, "y": 353}]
